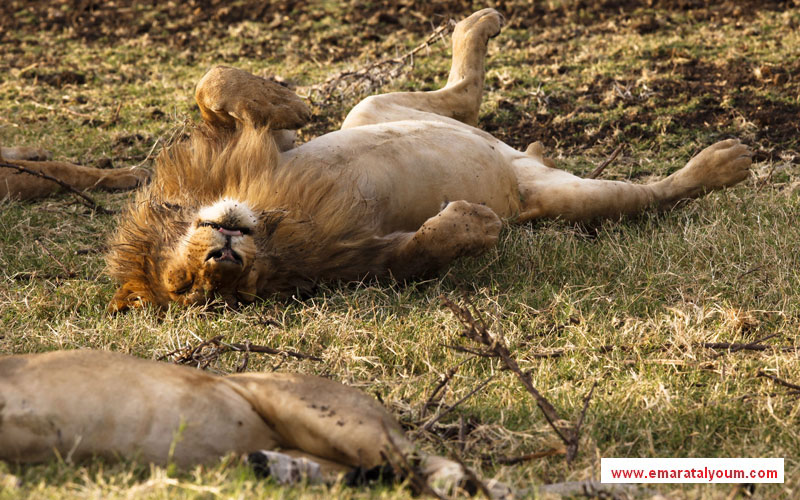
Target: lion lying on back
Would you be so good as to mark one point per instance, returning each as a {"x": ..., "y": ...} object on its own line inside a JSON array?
[{"x": 407, "y": 185}]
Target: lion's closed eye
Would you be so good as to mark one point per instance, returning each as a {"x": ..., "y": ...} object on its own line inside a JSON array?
[
  {"x": 180, "y": 281},
  {"x": 183, "y": 289}
]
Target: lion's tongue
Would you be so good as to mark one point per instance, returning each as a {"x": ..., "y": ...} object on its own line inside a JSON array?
[{"x": 229, "y": 232}]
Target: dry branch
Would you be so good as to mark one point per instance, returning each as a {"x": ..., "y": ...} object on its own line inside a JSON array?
[
  {"x": 752, "y": 345},
  {"x": 452, "y": 407},
  {"x": 441, "y": 385},
  {"x": 476, "y": 330},
  {"x": 523, "y": 458},
  {"x": 209, "y": 351},
  {"x": 377, "y": 73},
  {"x": 778, "y": 380},
  {"x": 88, "y": 201},
  {"x": 69, "y": 273},
  {"x": 599, "y": 170}
]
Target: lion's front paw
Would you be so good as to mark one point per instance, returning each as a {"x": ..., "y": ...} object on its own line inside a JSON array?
[
  {"x": 461, "y": 228},
  {"x": 229, "y": 95},
  {"x": 723, "y": 164}
]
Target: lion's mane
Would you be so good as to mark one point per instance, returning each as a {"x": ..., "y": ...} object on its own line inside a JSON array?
[{"x": 311, "y": 220}]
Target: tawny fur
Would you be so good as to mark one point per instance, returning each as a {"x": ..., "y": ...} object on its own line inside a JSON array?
[
  {"x": 83, "y": 403},
  {"x": 19, "y": 185}
]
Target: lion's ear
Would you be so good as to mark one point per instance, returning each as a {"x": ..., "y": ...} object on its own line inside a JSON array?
[{"x": 125, "y": 299}]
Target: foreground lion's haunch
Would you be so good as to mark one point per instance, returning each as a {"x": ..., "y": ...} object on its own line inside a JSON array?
[
  {"x": 407, "y": 185},
  {"x": 81, "y": 404}
]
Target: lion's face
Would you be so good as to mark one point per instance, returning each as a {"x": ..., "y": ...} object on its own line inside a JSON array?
[{"x": 215, "y": 257}]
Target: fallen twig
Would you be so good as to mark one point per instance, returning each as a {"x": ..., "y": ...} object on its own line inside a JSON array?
[
  {"x": 70, "y": 274},
  {"x": 523, "y": 458},
  {"x": 763, "y": 182},
  {"x": 599, "y": 170},
  {"x": 88, "y": 200},
  {"x": 752, "y": 345},
  {"x": 778, "y": 380},
  {"x": 442, "y": 383},
  {"x": 375, "y": 74},
  {"x": 452, "y": 407},
  {"x": 245, "y": 359},
  {"x": 209, "y": 351},
  {"x": 477, "y": 331}
]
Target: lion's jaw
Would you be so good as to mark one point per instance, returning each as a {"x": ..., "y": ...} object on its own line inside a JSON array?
[{"x": 215, "y": 256}]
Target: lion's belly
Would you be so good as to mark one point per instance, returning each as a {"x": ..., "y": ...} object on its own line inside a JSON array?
[{"x": 408, "y": 170}]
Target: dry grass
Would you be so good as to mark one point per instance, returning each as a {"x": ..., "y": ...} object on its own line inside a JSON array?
[{"x": 656, "y": 288}]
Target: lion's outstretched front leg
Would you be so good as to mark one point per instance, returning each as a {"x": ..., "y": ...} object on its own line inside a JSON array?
[{"x": 460, "y": 229}]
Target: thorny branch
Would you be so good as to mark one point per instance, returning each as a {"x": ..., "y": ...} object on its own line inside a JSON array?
[
  {"x": 377, "y": 73},
  {"x": 476, "y": 330},
  {"x": 209, "y": 351},
  {"x": 88, "y": 201},
  {"x": 452, "y": 407}
]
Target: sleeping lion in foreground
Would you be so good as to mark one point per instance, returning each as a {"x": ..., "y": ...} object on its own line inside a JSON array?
[
  {"x": 83, "y": 403},
  {"x": 407, "y": 185}
]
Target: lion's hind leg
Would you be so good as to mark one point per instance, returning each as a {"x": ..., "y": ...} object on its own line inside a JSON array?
[
  {"x": 231, "y": 98},
  {"x": 460, "y": 229},
  {"x": 460, "y": 98}
]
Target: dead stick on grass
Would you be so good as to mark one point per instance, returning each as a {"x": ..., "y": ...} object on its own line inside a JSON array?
[
  {"x": 245, "y": 359},
  {"x": 599, "y": 170},
  {"x": 763, "y": 182},
  {"x": 192, "y": 355},
  {"x": 89, "y": 201},
  {"x": 523, "y": 458},
  {"x": 262, "y": 349},
  {"x": 330, "y": 83},
  {"x": 442, "y": 383},
  {"x": 778, "y": 380},
  {"x": 477, "y": 331},
  {"x": 452, "y": 407},
  {"x": 70, "y": 274},
  {"x": 751, "y": 345}
]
